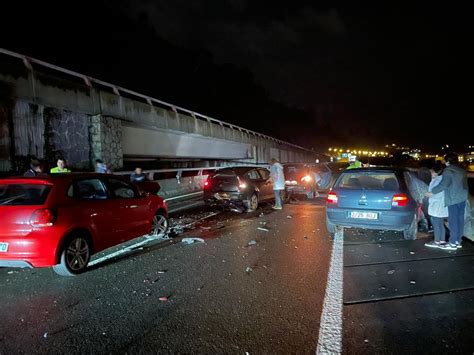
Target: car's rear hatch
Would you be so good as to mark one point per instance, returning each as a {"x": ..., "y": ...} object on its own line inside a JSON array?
[
  {"x": 19, "y": 199},
  {"x": 225, "y": 182},
  {"x": 366, "y": 190},
  {"x": 294, "y": 174}
]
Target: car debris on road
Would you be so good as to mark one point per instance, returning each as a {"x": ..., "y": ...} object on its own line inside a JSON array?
[{"x": 192, "y": 240}]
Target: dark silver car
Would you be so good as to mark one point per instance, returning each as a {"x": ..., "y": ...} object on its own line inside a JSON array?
[
  {"x": 238, "y": 187},
  {"x": 300, "y": 179}
]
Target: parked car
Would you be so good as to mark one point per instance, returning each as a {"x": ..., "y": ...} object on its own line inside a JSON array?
[
  {"x": 372, "y": 198},
  {"x": 61, "y": 220},
  {"x": 328, "y": 173},
  {"x": 300, "y": 179},
  {"x": 240, "y": 187}
]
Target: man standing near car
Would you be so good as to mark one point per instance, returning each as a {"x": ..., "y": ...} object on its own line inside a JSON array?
[
  {"x": 278, "y": 180},
  {"x": 138, "y": 176},
  {"x": 36, "y": 168},
  {"x": 454, "y": 185},
  {"x": 60, "y": 166}
]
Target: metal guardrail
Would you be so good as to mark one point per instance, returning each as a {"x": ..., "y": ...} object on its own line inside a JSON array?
[{"x": 88, "y": 81}]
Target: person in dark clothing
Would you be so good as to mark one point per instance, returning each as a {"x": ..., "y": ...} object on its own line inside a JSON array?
[
  {"x": 36, "y": 168},
  {"x": 454, "y": 185},
  {"x": 418, "y": 188},
  {"x": 138, "y": 176}
]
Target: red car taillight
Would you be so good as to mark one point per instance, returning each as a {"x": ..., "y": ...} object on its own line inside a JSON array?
[
  {"x": 207, "y": 184},
  {"x": 242, "y": 184},
  {"x": 43, "y": 217},
  {"x": 332, "y": 197},
  {"x": 399, "y": 200}
]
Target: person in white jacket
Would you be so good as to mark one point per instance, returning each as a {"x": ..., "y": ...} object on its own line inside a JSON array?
[
  {"x": 437, "y": 210},
  {"x": 278, "y": 179}
]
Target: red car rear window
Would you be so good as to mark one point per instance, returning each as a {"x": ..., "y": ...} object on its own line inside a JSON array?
[{"x": 23, "y": 194}]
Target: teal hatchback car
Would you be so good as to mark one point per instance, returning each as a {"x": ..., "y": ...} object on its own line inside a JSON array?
[{"x": 372, "y": 198}]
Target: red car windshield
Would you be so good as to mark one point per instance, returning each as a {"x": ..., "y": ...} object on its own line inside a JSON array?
[{"x": 23, "y": 194}]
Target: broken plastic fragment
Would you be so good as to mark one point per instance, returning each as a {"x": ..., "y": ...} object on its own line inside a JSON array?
[
  {"x": 248, "y": 269},
  {"x": 413, "y": 282},
  {"x": 163, "y": 298},
  {"x": 289, "y": 217},
  {"x": 252, "y": 242},
  {"x": 192, "y": 240},
  {"x": 263, "y": 229},
  {"x": 391, "y": 272}
]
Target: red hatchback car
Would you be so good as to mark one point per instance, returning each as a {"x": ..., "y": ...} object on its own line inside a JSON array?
[{"x": 62, "y": 219}]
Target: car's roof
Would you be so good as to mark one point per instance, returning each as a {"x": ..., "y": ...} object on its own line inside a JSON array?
[
  {"x": 285, "y": 164},
  {"x": 239, "y": 169},
  {"x": 374, "y": 169},
  {"x": 50, "y": 178}
]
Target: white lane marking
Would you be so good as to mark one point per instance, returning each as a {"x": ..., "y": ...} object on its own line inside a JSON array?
[{"x": 330, "y": 330}]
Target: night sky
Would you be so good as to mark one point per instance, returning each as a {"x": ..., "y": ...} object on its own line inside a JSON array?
[{"x": 317, "y": 75}]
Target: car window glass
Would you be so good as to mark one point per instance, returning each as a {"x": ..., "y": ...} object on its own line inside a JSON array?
[
  {"x": 264, "y": 173},
  {"x": 369, "y": 181},
  {"x": 70, "y": 191},
  {"x": 89, "y": 189},
  {"x": 23, "y": 194},
  {"x": 253, "y": 175},
  {"x": 121, "y": 189},
  {"x": 294, "y": 172}
]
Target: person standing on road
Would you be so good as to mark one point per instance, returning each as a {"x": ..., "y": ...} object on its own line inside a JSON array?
[
  {"x": 317, "y": 181},
  {"x": 418, "y": 189},
  {"x": 101, "y": 167},
  {"x": 437, "y": 209},
  {"x": 355, "y": 165},
  {"x": 138, "y": 176},
  {"x": 36, "y": 168},
  {"x": 278, "y": 180},
  {"x": 454, "y": 185},
  {"x": 60, "y": 166}
]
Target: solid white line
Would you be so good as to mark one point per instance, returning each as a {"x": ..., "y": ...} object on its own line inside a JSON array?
[{"x": 330, "y": 330}]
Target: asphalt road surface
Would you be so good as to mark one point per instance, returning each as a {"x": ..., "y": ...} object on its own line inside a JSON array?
[{"x": 257, "y": 284}]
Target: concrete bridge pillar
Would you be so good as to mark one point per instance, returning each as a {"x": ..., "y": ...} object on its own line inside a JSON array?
[{"x": 106, "y": 140}]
